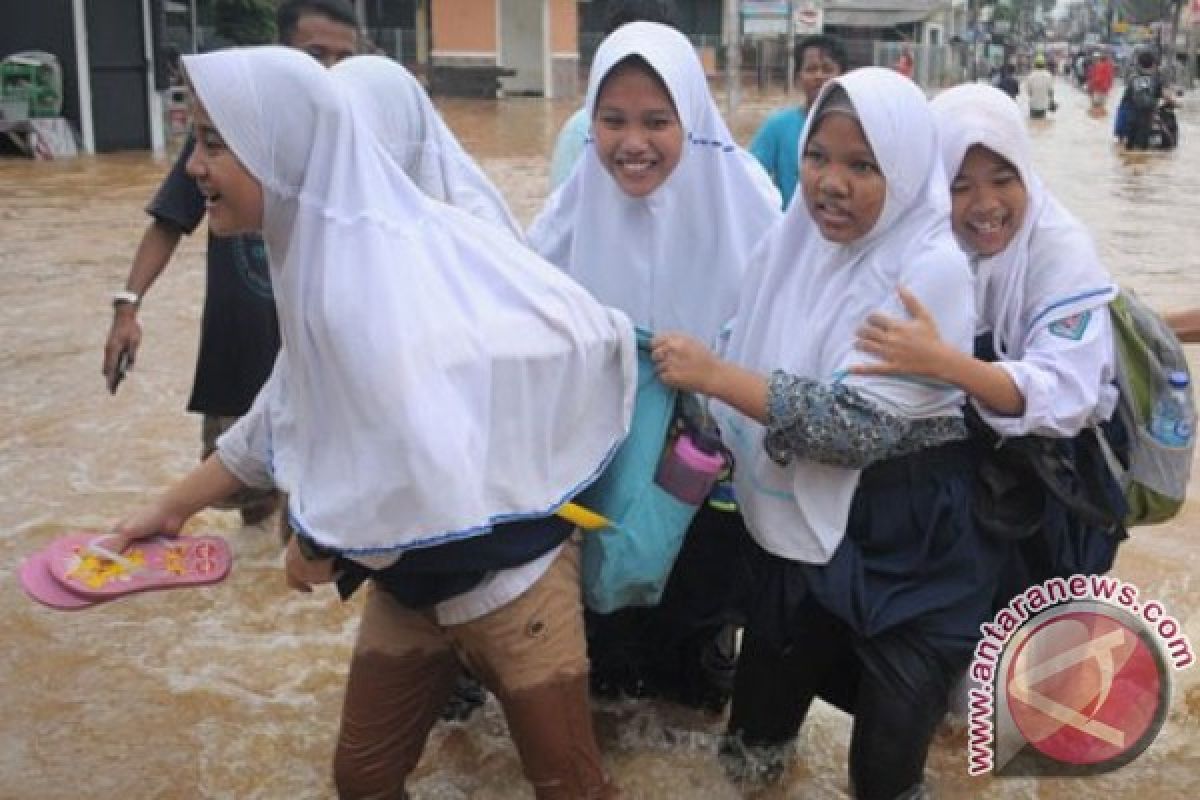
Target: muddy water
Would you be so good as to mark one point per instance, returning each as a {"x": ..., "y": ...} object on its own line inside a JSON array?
[{"x": 233, "y": 692}]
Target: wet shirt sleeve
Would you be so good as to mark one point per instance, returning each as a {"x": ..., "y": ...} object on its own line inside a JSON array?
[
  {"x": 245, "y": 449},
  {"x": 835, "y": 424},
  {"x": 178, "y": 201},
  {"x": 1066, "y": 377}
]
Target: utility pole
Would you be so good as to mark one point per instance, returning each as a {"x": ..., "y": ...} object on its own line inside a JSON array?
[
  {"x": 733, "y": 56},
  {"x": 791, "y": 46},
  {"x": 192, "y": 26},
  {"x": 1192, "y": 35}
]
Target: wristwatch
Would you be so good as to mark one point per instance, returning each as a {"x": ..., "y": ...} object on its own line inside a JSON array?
[{"x": 125, "y": 296}]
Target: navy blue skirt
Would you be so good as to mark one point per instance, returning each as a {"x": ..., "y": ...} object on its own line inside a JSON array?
[{"x": 911, "y": 556}]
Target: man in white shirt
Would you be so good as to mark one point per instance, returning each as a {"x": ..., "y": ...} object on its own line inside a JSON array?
[{"x": 1040, "y": 87}]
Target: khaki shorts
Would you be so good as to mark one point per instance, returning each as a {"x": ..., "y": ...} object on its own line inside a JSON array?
[
  {"x": 531, "y": 653},
  {"x": 534, "y": 639}
]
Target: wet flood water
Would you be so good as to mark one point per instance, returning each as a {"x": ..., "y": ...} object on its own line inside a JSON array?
[{"x": 234, "y": 691}]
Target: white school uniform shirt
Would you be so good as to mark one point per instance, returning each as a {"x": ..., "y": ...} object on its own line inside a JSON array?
[
  {"x": 805, "y": 297},
  {"x": 436, "y": 377},
  {"x": 398, "y": 111},
  {"x": 1045, "y": 296},
  {"x": 1040, "y": 85},
  {"x": 673, "y": 260}
]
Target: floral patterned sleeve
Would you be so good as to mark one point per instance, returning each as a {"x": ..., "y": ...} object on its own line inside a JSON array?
[{"x": 836, "y": 425}]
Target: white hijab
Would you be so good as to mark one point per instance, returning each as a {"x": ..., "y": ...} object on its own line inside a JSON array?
[
  {"x": 1050, "y": 269},
  {"x": 672, "y": 260},
  {"x": 436, "y": 377},
  {"x": 805, "y": 297},
  {"x": 388, "y": 98}
]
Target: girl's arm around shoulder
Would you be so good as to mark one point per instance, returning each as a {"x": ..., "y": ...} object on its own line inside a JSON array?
[
  {"x": 1065, "y": 375},
  {"x": 915, "y": 347},
  {"x": 929, "y": 333}
]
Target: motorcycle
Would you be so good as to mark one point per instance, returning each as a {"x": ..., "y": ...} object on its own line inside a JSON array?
[
  {"x": 1164, "y": 128},
  {"x": 1163, "y": 131}
]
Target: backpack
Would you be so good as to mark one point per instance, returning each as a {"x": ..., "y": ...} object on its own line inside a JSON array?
[
  {"x": 1141, "y": 92},
  {"x": 1154, "y": 476}
]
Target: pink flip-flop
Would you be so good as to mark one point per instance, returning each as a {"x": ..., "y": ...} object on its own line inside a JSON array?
[
  {"x": 40, "y": 585},
  {"x": 87, "y": 569}
]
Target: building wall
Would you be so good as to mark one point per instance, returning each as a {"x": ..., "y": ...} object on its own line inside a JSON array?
[
  {"x": 564, "y": 26},
  {"x": 464, "y": 31},
  {"x": 564, "y": 48}
]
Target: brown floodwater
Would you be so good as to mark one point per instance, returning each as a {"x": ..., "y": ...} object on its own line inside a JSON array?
[{"x": 234, "y": 691}]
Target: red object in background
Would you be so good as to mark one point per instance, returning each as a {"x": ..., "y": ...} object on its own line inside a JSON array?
[
  {"x": 1100, "y": 77},
  {"x": 904, "y": 63}
]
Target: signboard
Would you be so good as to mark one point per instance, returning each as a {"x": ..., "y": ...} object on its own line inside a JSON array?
[
  {"x": 771, "y": 18},
  {"x": 765, "y": 26},
  {"x": 765, "y": 8},
  {"x": 808, "y": 18},
  {"x": 765, "y": 17}
]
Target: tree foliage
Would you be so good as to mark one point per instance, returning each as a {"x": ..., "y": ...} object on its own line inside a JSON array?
[{"x": 244, "y": 21}]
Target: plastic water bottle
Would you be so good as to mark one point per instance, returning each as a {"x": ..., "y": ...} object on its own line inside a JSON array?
[
  {"x": 690, "y": 467},
  {"x": 1171, "y": 421}
]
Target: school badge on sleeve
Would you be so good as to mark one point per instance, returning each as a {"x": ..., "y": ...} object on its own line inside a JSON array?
[{"x": 1072, "y": 327}]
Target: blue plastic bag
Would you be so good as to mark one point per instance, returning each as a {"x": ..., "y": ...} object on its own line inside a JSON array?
[{"x": 628, "y": 563}]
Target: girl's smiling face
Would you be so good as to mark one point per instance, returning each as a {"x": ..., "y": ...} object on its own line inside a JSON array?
[
  {"x": 989, "y": 201},
  {"x": 233, "y": 197},
  {"x": 844, "y": 188},
  {"x": 639, "y": 138}
]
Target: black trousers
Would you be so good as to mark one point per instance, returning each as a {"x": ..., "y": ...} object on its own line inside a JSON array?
[{"x": 895, "y": 684}]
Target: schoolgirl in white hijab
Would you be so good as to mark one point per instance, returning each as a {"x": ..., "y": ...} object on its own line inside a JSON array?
[
  {"x": 412, "y": 403},
  {"x": 1043, "y": 295},
  {"x": 398, "y": 110},
  {"x": 805, "y": 296},
  {"x": 863, "y": 571},
  {"x": 673, "y": 259},
  {"x": 439, "y": 393},
  {"x": 666, "y": 245}
]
